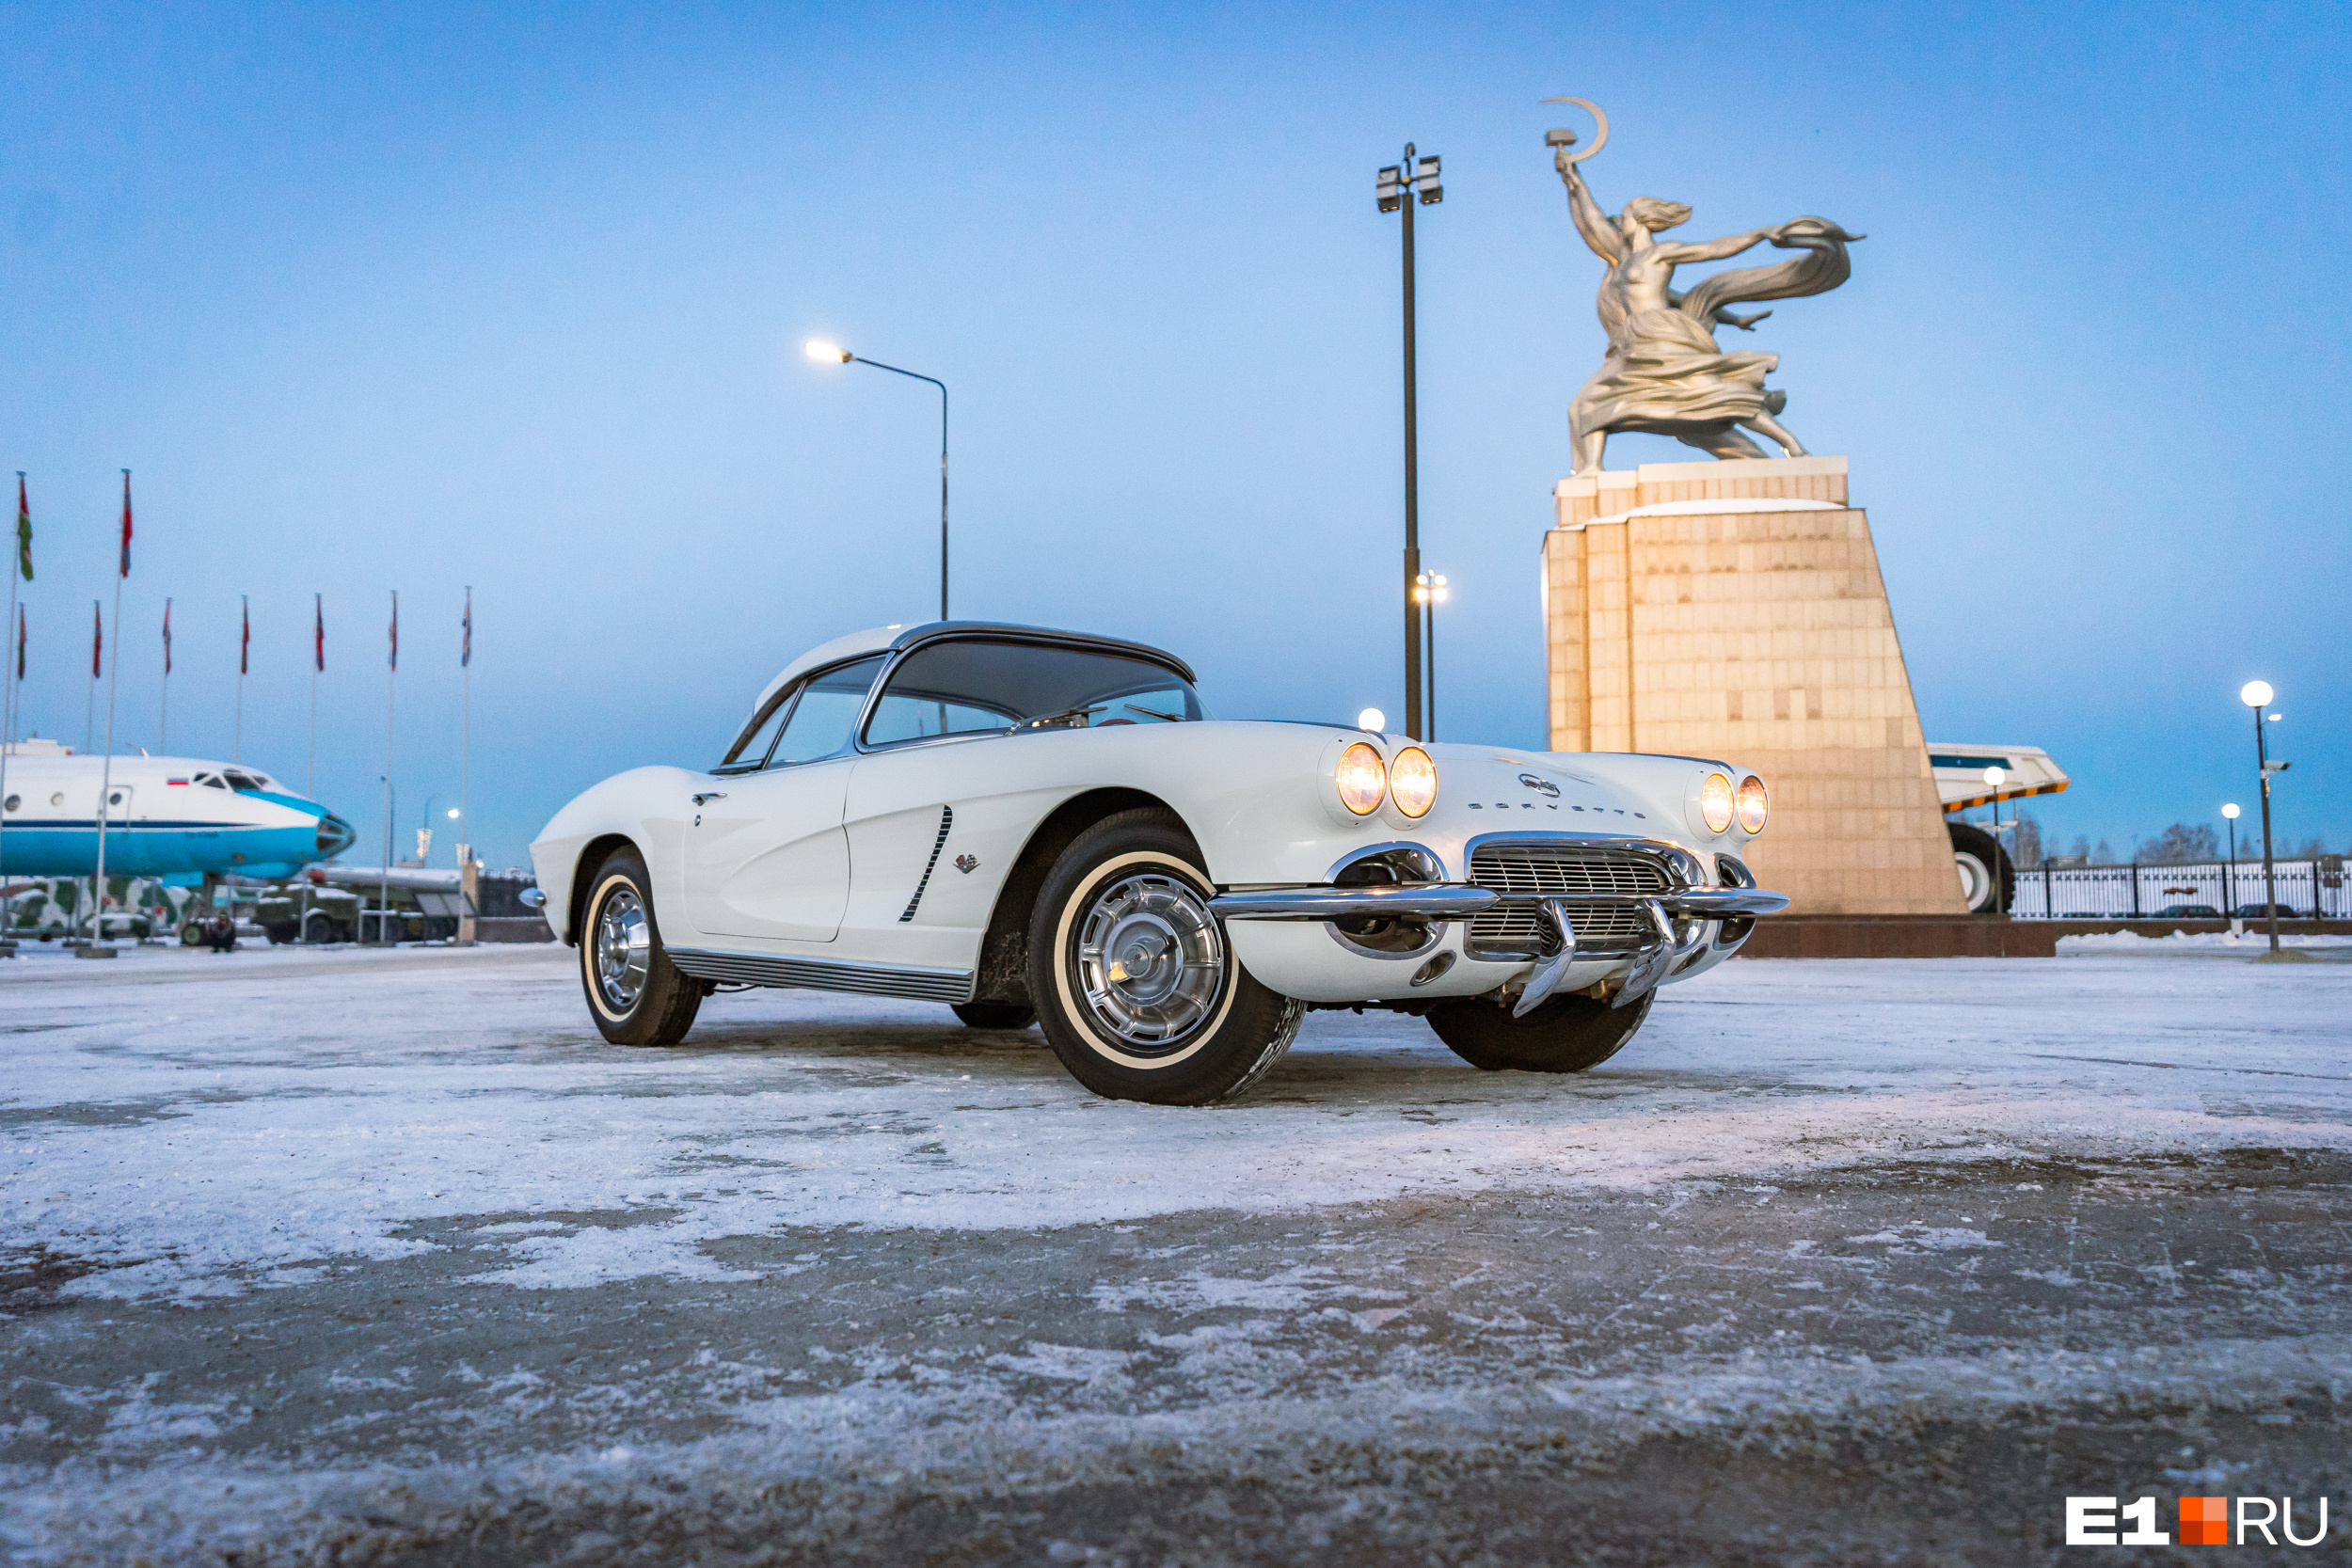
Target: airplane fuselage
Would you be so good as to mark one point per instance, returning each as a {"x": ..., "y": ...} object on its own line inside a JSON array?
[{"x": 165, "y": 816}]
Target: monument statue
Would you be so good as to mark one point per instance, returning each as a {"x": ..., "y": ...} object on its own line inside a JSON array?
[{"x": 1664, "y": 372}]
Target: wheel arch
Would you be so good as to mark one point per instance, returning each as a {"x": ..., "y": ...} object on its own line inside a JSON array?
[
  {"x": 592, "y": 855},
  {"x": 1004, "y": 968}
]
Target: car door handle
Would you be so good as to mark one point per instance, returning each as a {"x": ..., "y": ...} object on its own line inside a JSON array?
[{"x": 715, "y": 795}]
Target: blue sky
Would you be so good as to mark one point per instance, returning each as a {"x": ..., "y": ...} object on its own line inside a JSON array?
[{"x": 378, "y": 297}]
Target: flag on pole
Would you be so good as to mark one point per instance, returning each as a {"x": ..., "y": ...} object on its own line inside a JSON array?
[
  {"x": 466, "y": 659},
  {"x": 23, "y": 529},
  {"x": 244, "y": 638},
  {"x": 97, "y": 642},
  {"x": 318, "y": 629},
  {"x": 126, "y": 522},
  {"x": 20, "y": 642},
  {"x": 395, "y": 628},
  {"x": 167, "y": 636}
]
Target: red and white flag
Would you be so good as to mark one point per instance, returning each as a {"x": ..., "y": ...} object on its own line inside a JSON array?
[
  {"x": 96, "y": 641},
  {"x": 395, "y": 628},
  {"x": 126, "y": 522},
  {"x": 244, "y": 637},
  {"x": 167, "y": 636},
  {"x": 318, "y": 629}
]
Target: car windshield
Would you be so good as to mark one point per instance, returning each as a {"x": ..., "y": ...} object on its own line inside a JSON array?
[
  {"x": 977, "y": 686},
  {"x": 806, "y": 722}
]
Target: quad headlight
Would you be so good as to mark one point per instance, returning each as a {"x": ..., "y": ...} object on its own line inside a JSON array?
[
  {"x": 1715, "y": 801},
  {"x": 1754, "y": 805},
  {"x": 1413, "y": 782},
  {"x": 1363, "y": 778}
]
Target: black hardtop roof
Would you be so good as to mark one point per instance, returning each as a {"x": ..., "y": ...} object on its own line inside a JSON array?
[{"x": 1011, "y": 631}]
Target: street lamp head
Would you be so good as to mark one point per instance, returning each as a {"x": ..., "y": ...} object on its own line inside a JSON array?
[
  {"x": 2229, "y": 811},
  {"x": 825, "y": 353},
  {"x": 2273, "y": 717},
  {"x": 453, "y": 813},
  {"x": 1993, "y": 777},
  {"x": 2255, "y": 695},
  {"x": 1374, "y": 720}
]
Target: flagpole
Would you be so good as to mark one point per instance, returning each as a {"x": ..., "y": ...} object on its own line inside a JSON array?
[
  {"x": 318, "y": 638},
  {"x": 106, "y": 769},
  {"x": 392, "y": 681},
  {"x": 244, "y": 637},
  {"x": 98, "y": 650},
  {"x": 466, "y": 880},
  {"x": 18, "y": 559}
]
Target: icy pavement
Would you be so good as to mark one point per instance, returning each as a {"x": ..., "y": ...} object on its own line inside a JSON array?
[{"x": 358, "y": 1257}]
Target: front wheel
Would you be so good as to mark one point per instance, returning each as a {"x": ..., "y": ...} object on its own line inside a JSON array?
[
  {"x": 1567, "y": 1033},
  {"x": 635, "y": 993},
  {"x": 1137, "y": 991}
]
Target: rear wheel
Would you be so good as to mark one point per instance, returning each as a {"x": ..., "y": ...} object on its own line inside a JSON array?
[
  {"x": 1979, "y": 860},
  {"x": 1136, "y": 988},
  {"x": 996, "y": 1015},
  {"x": 1567, "y": 1033},
  {"x": 635, "y": 993}
]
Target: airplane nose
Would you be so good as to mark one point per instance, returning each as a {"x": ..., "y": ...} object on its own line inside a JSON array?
[{"x": 335, "y": 836}]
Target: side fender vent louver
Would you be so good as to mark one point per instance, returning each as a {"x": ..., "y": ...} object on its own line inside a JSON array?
[{"x": 946, "y": 820}]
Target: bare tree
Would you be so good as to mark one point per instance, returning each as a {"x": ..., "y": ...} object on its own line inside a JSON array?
[{"x": 2182, "y": 844}]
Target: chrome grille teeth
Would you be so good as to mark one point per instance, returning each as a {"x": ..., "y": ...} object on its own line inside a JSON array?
[{"x": 1543, "y": 871}]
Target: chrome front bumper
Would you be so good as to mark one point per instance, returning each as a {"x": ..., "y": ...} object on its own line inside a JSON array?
[
  {"x": 1459, "y": 901},
  {"x": 1724, "y": 914}
]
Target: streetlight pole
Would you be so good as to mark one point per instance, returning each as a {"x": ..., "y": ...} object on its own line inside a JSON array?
[
  {"x": 834, "y": 354},
  {"x": 2257, "y": 696},
  {"x": 2229, "y": 872},
  {"x": 1415, "y": 177},
  {"x": 1429, "y": 591}
]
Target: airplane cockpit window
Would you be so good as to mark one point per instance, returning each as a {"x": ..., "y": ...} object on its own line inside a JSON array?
[
  {"x": 244, "y": 781},
  {"x": 211, "y": 780}
]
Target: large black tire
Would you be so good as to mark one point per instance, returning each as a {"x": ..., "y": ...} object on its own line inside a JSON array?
[
  {"x": 1189, "y": 1025},
  {"x": 1567, "y": 1034},
  {"x": 635, "y": 993},
  {"x": 996, "y": 1015},
  {"x": 1978, "y": 859}
]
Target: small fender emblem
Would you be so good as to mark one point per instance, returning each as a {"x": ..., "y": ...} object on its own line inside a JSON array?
[
  {"x": 1541, "y": 787},
  {"x": 967, "y": 863}
]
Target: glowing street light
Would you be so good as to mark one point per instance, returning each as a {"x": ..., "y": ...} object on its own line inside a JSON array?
[
  {"x": 1374, "y": 720},
  {"x": 2229, "y": 873},
  {"x": 834, "y": 354}
]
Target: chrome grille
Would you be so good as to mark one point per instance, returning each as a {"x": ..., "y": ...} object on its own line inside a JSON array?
[{"x": 1543, "y": 870}]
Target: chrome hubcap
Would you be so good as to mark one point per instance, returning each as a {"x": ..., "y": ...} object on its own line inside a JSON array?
[
  {"x": 1150, "y": 962},
  {"x": 623, "y": 950}
]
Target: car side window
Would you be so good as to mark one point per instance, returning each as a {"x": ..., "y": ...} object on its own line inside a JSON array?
[
  {"x": 751, "y": 749},
  {"x": 825, "y": 713}
]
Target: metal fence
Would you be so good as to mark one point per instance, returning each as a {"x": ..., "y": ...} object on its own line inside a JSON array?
[{"x": 2054, "y": 892}]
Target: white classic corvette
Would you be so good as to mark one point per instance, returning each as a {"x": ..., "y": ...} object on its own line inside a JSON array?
[{"x": 1035, "y": 825}]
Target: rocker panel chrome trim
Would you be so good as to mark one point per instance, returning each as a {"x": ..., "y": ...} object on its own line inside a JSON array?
[{"x": 869, "y": 979}]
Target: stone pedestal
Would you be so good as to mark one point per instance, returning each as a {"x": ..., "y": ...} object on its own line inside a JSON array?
[{"x": 1734, "y": 610}]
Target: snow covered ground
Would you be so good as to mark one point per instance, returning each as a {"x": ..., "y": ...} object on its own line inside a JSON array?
[{"x": 376, "y": 1255}]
